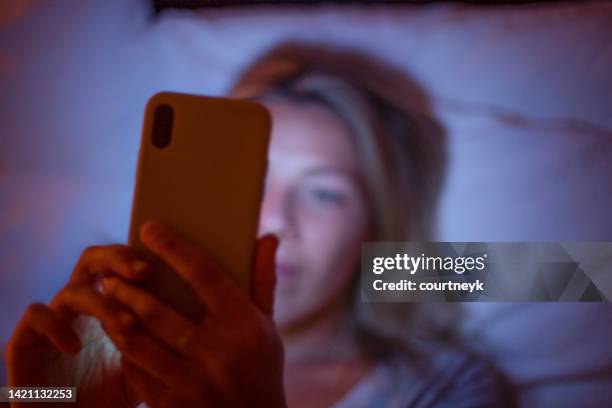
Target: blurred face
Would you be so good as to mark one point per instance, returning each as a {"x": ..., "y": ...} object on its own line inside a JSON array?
[{"x": 314, "y": 203}]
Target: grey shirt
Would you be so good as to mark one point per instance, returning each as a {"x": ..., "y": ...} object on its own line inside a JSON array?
[{"x": 452, "y": 378}]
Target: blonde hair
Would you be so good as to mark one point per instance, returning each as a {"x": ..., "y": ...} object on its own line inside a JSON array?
[{"x": 402, "y": 152}]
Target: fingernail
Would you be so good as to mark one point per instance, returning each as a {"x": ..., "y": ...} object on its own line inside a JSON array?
[
  {"x": 108, "y": 283},
  {"x": 139, "y": 267}
]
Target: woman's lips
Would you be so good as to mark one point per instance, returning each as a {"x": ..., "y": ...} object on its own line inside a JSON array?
[{"x": 286, "y": 271}]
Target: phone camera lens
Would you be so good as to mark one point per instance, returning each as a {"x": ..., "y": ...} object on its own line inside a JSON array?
[{"x": 163, "y": 119}]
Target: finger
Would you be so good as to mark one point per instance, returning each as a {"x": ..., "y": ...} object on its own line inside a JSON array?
[
  {"x": 158, "y": 319},
  {"x": 42, "y": 320},
  {"x": 84, "y": 299},
  {"x": 153, "y": 392},
  {"x": 102, "y": 260},
  {"x": 152, "y": 357},
  {"x": 264, "y": 276},
  {"x": 140, "y": 385},
  {"x": 215, "y": 288}
]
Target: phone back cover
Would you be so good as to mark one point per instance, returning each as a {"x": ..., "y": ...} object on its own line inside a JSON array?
[{"x": 207, "y": 183}]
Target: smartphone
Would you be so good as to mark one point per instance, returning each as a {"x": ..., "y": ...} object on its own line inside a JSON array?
[{"x": 201, "y": 168}]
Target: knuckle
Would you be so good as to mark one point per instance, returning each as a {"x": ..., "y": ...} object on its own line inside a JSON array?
[
  {"x": 90, "y": 250},
  {"x": 117, "y": 247},
  {"x": 34, "y": 310},
  {"x": 148, "y": 312},
  {"x": 115, "y": 252},
  {"x": 126, "y": 323},
  {"x": 122, "y": 252}
]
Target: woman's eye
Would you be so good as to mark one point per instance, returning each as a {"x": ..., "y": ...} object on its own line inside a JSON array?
[{"x": 327, "y": 196}]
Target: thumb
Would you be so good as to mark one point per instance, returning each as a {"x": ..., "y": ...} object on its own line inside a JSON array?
[{"x": 263, "y": 280}]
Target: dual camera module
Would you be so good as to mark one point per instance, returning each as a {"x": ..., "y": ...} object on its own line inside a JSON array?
[{"x": 163, "y": 119}]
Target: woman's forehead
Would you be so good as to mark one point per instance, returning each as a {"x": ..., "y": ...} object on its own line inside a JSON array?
[{"x": 312, "y": 133}]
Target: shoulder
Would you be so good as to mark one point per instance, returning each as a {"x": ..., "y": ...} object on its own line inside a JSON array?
[
  {"x": 442, "y": 377},
  {"x": 457, "y": 377}
]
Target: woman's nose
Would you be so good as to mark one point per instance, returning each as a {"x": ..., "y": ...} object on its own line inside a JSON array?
[{"x": 274, "y": 216}]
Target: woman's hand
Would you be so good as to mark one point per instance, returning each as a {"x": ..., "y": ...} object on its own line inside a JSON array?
[
  {"x": 233, "y": 358},
  {"x": 62, "y": 344}
]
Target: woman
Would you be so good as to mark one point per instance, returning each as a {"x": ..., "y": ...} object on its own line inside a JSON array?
[{"x": 352, "y": 159}]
